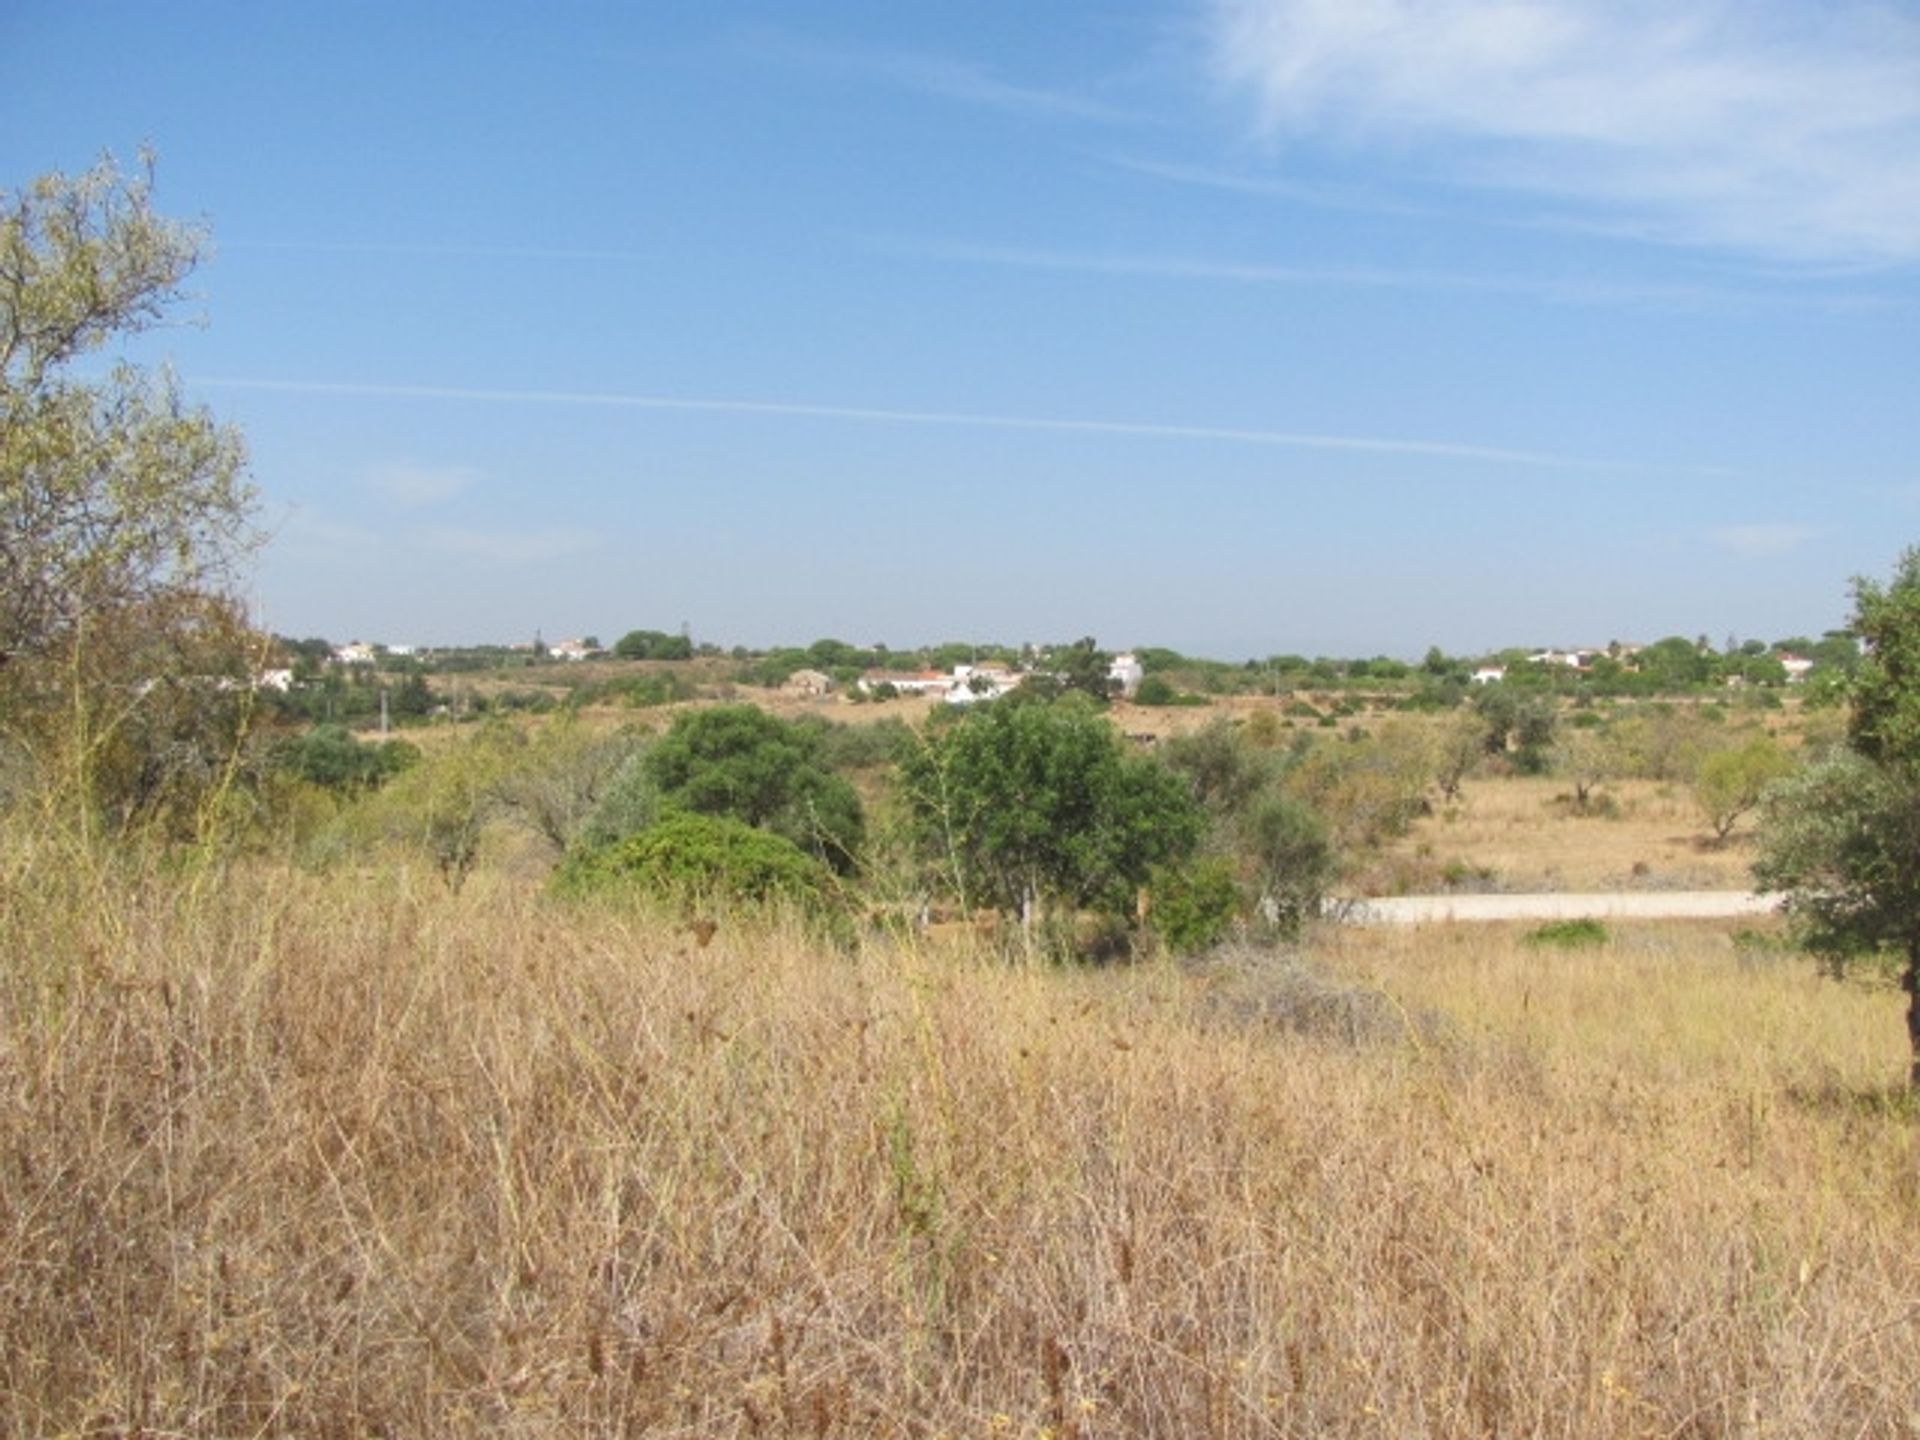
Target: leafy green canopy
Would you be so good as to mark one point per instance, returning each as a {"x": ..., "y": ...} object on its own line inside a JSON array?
[
  {"x": 1842, "y": 841},
  {"x": 1885, "y": 725},
  {"x": 1025, "y": 803},
  {"x": 739, "y": 761}
]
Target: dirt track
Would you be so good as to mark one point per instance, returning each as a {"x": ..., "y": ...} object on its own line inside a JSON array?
[{"x": 1651, "y": 905}]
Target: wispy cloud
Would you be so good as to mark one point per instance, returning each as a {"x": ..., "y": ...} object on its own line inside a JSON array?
[
  {"x": 1319, "y": 196},
  {"x": 944, "y": 77},
  {"x": 1771, "y": 127},
  {"x": 300, "y": 525},
  {"x": 439, "y": 250},
  {"x": 1286, "y": 439},
  {"x": 1763, "y": 541},
  {"x": 1570, "y": 289},
  {"x": 511, "y": 547},
  {"x": 414, "y": 487}
]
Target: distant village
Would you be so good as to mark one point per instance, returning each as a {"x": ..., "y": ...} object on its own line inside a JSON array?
[{"x": 831, "y": 668}]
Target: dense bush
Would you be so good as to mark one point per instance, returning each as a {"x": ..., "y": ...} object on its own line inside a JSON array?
[
  {"x": 1194, "y": 904},
  {"x": 653, "y": 645},
  {"x": 701, "y": 858},
  {"x": 740, "y": 762}
]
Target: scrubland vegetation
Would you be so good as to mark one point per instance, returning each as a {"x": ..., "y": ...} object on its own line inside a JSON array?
[
  {"x": 350, "y": 1153},
  {"x": 993, "y": 1074}
]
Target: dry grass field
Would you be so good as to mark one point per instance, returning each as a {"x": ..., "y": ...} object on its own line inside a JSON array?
[
  {"x": 1520, "y": 834},
  {"x": 287, "y": 1154}
]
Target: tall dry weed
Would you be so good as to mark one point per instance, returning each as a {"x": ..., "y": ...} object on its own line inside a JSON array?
[{"x": 350, "y": 1155}]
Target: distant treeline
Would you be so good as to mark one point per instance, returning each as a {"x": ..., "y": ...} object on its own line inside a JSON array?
[{"x": 679, "y": 669}]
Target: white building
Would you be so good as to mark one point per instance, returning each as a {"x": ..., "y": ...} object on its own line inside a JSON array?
[
  {"x": 979, "y": 682},
  {"x": 907, "y": 682}
]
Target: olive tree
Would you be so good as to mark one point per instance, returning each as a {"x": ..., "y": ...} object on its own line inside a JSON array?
[
  {"x": 1842, "y": 841},
  {"x": 1037, "y": 805},
  {"x": 124, "y": 510},
  {"x": 1732, "y": 780}
]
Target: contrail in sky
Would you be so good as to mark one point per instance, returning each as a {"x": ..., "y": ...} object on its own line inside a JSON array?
[{"x": 1431, "y": 449}]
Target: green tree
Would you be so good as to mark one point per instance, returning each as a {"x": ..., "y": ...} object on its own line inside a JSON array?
[
  {"x": 1731, "y": 780},
  {"x": 124, "y": 511},
  {"x": 1842, "y": 841},
  {"x": 1287, "y": 847},
  {"x": 445, "y": 803},
  {"x": 653, "y": 645},
  {"x": 562, "y": 779},
  {"x": 1586, "y": 758},
  {"x": 1084, "y": 667},
  {"x": 737, "y": 760},
  {"x": 1038, "y": 806},
  {"x": 1370, "y": 789},
  {"x": 332, "y": 757},
  {"x": 1223, "y": 769},
  {"x": 1673, "y": 665},
  {"x": 1519, "y": 724},
  {"x": 1459, "y": 745}
]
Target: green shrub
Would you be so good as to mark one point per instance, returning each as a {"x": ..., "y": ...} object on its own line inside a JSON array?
[
  {"x": 1569, "y": 934},
  {"x": 701, "y": 858},
  {"x": 1194, "y": 904},
  {"x": 333, "y": 757},
  {"x": 740, "y": 762},
  {"x": 1155, "y": 691}
]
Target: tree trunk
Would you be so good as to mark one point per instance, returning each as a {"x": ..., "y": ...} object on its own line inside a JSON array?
[{"x": 1910, "y": 982}]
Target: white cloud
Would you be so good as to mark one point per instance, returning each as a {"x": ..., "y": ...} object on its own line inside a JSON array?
[
  {"x": 512, "y": 547},
  {"x": 1772, "y": 127},
  {"x": 414, "y": 487},
  {"x": 1762, "y": 541}
]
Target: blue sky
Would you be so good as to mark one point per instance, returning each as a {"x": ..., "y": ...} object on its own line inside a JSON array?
[{"x": 1335, "y": 326}]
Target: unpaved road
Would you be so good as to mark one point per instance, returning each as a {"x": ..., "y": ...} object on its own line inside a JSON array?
[{"x": 1648, "y": 905}]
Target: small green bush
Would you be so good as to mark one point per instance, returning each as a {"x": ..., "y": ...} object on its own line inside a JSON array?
[
  {"x": 1569, "y": 934},
  {"x": 701, "y": 858},
  {"x": 1194, "y": 905}
]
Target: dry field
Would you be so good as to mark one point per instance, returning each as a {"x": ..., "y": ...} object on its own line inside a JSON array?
[
  {"x": 1519, "y": 834},
  {"x": 286, "y": 1154}
]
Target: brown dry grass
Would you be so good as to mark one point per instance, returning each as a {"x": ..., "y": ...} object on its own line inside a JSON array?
[
  {"x": 1521, "y": 834},
  {"x": 297, "y": 1155}
]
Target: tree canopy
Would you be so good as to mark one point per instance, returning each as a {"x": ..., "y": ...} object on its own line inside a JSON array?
[
  {"x": 124, "y": 510},
  {"x": 739, "y": 761},
  {"x": 1024, "y": 805},
  {"x": 115, "y": 494},
  {"x": 1842, "y": 842}
]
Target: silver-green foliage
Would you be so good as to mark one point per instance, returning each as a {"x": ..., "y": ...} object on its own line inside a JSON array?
[
  {"x": 1842, "y": 841},
  {"x": 115, "y": 493}
]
